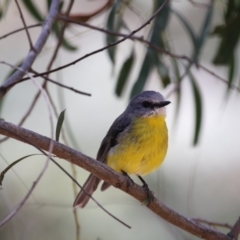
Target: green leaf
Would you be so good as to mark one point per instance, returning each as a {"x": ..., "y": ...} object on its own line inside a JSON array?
[
  {"x": 12, "y": 164},
  {"x": 33, "y": 9},
  {"x": 198, "y": 108},
  {"x": 4, "y": 7},
  {"x": 229, "y": 36},
  {"x": 159, "y": 27},
  {"x": 114, "y": 23},
  {"x": 152, "y": 58},
  {"x": 197, "y": 41},
  {"x": 162, "y": 72},
  {"x": 144, "y": 72},
  {"x": 161, "y": 20},
  {"x": 65, "y": 43},
  {"x": 178, "y": 85},
  {"x": 187, "y": 26},
  {"x": 124, "y": 74},
  {"x": 203, "y": 32},
  {"x": 59, "y": 124},
  {"x": 68, "y": 46},
  {"x": 231, "y": 71}
]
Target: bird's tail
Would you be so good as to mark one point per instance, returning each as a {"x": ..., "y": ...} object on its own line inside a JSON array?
[{"x": 89, "y": 187}]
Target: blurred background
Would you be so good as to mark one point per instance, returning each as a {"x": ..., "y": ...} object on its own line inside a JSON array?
[{"x": 201, "y": 173}]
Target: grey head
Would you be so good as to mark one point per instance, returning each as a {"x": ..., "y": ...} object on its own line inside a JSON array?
[{"x": 147, "y": 103}]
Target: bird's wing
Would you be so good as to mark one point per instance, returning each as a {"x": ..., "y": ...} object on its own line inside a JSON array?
[{"x": 110, "y": 140}]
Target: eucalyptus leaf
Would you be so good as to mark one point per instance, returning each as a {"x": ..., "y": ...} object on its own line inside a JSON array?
[
  {"x": 203, "y": 32},
  {"x": 229, "y": 35},
  {"x": 124, "y": 74},
  {"x": 151, "y": 58},
  {"x": 4, "y": 7},
  {"x": 178, "y": 86},
  {"x": 114, "y": 23},
  {"x": 198, "y": 108},
  {"x": 144, "y": 72},
  {"x": 162, "y": 71},
  {"x": 67, "y": 45},
  {"x": 59, "y": 124},
  {"x": 31, "y": 7},
  {"x": 68, "y": 126},
  {"x": 187, "y": 26},
  {"x": 231, "y": 71}
]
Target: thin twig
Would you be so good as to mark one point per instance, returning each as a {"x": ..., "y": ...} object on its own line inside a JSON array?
[
  {"x": 25, "y": 25},
  {"x": 33, "y": 53},
  {"x": 20, "y": 205},
  {"x": 73, "y": 169},
  {"x": 60, "y": 37},
  {"x": 155, "y": 47},
  {"x": 19, "y": 178},
  {"x": 60, "y": 40},
  {"x": 106, "y": 47},
  {"x": 50, "y": 149},
  {"x": 21, "y": 29},
  {"x": 64, "y": 86},
  {"x": 107, "y": 174},
  {"x": 42, "y": 92}
]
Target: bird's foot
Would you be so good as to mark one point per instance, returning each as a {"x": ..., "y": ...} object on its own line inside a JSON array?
[
  {"x": 130, "y": 182},
  {"x": 149, "y": 193}
]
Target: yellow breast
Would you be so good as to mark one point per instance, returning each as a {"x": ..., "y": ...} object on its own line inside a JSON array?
[{"x": 142, "y": 147}]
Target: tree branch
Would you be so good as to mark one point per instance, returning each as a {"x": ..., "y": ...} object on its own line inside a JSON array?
[
  {"x": 235, "y": 231},
  {"x": 149, "y": 44},
  {"x": 19, "y": 30},
  {"x": 33, "y": 53},
  {"x": 25, "y": 25},
  {"x": 105, "y": 173},
  {"x": 105, "y": 47}
]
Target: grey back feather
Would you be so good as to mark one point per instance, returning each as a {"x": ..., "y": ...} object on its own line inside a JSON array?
[{"x": 108, "y": 142}]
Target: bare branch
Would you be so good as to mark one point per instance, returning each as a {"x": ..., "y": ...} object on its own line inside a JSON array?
[
  {"x": 50, "y": 148},
  {"x": 64, "y": 86},
  {"x": 107, "y": 174},
  {"x": 14, "y": 78},
  {"x": 60, "y": 37},
  {"x": 21, "y": 29},
  {"x": 234, "y": 233},
  {"x": 25, "y": 25},
  {"x": 155, "y": 47},
  {"x": 104, "y": 48}
]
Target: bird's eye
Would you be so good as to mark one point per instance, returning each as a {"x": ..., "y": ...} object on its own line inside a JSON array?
[{"x": 146, "y": 104}]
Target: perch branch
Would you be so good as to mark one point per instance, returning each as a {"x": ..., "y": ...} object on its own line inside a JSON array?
[{"x": 105, "y": 173}]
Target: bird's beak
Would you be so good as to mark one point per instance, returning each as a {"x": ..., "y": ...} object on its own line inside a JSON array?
[{"x": 164, "y": 103}]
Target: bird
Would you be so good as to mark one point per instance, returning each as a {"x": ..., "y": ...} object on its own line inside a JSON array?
[{"x": 135, "y": 144}]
